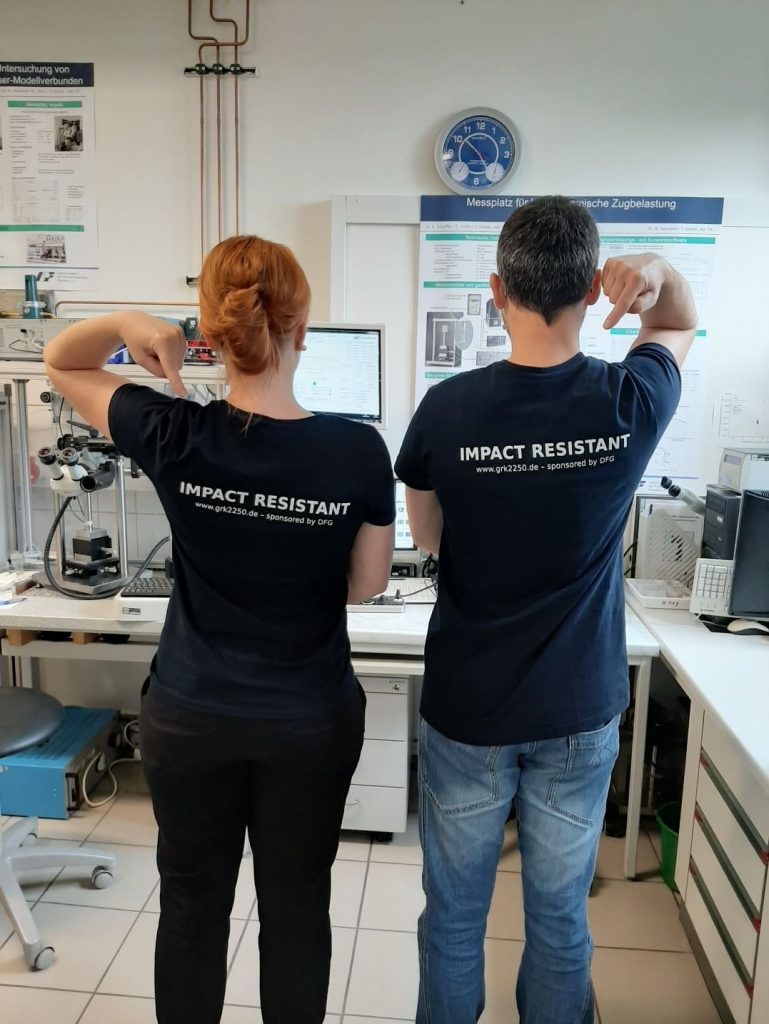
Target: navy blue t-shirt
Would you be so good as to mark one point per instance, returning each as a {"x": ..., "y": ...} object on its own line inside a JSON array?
[
  {"x": 535, "y": 469},
  {"x": 264, "y": 514}
]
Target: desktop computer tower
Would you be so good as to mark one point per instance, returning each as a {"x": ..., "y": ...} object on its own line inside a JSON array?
[
  {"x": 722, "y": 513},
  {"x": 750, "y": 580}
]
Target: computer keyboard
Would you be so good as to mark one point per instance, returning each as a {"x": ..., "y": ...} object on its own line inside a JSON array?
[
  {"x": 712, "y": 586},
  {"x": 149, "y": 586},
  {"x": 413, "y": 590},
  {"x": 400, "y": 592}
]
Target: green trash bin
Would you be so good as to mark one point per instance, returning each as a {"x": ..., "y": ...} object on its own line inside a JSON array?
[{"x": 669, "y": 821}]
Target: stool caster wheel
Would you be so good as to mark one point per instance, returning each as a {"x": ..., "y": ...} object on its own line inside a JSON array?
[
  {"x": 101, "y": 878},
  {"x": 44, "y": 958},
  {"x": 30, "y": 839},
  {"x": 383, "y": 837}
]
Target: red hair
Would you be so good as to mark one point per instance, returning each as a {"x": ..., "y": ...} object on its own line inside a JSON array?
[{"x": 253, "y": 297}]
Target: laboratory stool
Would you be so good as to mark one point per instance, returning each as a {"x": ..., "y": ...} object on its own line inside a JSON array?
[{"x": 28, "y": 717}]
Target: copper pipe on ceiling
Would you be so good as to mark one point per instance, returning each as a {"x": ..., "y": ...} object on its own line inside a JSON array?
[
  {"x": 211, "y": 42},
  {"x": 215, "y": 44},
  {"x": 204, "y": 39},
  {"x": 219, "y": 148},
  {"x": 231, "y": 21},
  {"x": 235, "y": 44}
]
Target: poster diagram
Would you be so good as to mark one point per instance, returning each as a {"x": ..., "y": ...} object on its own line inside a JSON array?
[
  {"x": 459, "y": 327},
  {"x": 47, "y": 175},
  {"x": 743, "y": 417}
]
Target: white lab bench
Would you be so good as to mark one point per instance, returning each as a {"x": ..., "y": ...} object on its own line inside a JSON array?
[
  {"x": 723, "y": 845},
  {"x": 388, "y": 652}
]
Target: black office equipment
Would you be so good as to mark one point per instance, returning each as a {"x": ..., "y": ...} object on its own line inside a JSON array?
[
  {"x": 750, "y": 582},
  {"x": 722, "y": 513}
]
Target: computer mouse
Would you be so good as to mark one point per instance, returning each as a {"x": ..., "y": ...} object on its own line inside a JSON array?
[{"x": 746, "y": 627}]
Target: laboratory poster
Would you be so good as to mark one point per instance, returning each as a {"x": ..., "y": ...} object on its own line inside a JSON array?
[
  {"x": 459, "y": 328},
  {"x": 47, "y": 175}
]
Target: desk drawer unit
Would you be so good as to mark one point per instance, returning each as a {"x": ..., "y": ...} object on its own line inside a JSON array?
[
  {"x": 732, "y": 986},
  {"x": 723, "y": 754},
  {"x": 378, "y": 797},
  {"x": 382, "y": 763},
  {"x": 740, "y": 921},
  {"x": 728, "y": 867},
  {"x": 739, "y": 849},
  {"x": 375, "y": 809}
]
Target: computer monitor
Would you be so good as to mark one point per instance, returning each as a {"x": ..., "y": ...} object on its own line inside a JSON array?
[
  {"x": 403, "y": 539},
  {"x": 750, "y": 580},
  {"x": 342, "y": 371}
]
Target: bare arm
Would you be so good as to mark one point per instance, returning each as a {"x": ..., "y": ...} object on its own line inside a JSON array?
[
  {"x": 370, "y": 562},
  {"x": 74, "y": 359},
  {"x": 425, "y": 519},
  {"x": 649, "y": 286}
]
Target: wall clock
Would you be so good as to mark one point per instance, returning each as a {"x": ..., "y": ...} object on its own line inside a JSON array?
[{"x": 477, "y": 151}]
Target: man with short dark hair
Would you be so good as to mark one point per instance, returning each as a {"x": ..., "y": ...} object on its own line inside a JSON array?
[{"x": 520, "y": 475}]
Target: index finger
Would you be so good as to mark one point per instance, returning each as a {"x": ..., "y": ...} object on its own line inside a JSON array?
[
  {"x": 172, "y": 375},
  {"x": 625, "y": 300}
]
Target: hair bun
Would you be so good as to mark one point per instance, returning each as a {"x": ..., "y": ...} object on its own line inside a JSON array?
[{"x": 253, "y": 296}]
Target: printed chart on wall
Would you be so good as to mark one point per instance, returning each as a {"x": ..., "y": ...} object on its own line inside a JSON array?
[
  {"x": 47, "y": 175},
  {"x": 459, "y": 327}
]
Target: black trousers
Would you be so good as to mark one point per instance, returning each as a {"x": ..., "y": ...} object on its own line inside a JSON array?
[{"x": 212, "y": 778}]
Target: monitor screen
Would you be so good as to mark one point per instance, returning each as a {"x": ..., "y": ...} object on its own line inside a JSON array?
[
  {"x": 403, "y": 538},
  {"x": 750, "y": 580},
  {"x": 341, "y": 371}
]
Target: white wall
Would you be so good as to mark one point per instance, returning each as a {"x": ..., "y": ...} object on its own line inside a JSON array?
[{"x": 610, "y": 96}]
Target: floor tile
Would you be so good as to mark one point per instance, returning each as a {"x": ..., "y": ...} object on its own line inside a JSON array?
[
  {"x": 128, "y": 820},
  {"x": 131, "y": 778},
  {"x": 393, "y": 898},
  {"x": 354, "y": 846},
  {"x": 502, "y": 962},
  {"x": 611, "y": 859},
  {"x": 385, "y": 976},
  {"x": 131, "y": 973},
  {"x": 5, "y": 928},
  {"x": 404, "y": 848},
  {"x": 243, "y": 982},
  {"x": 41, "y": 1006},
  {"x": 347, "y": 881},
  {"x": 626, "y": 915},
  {"x": 245, "y": 894},
  {"x": 119, "y": 1010},
  {"x": 510, "y": 857},
  {"x": 85, "y": 939},
  {"x": 251, "y": 1015},
  {"x": 370, "y": 1020},
  {"x": 77, "y": 826},
  {"x": 636, "y": 987},
  {"x": 136, "y": 876},
  {"x": 506, "y": 915}
]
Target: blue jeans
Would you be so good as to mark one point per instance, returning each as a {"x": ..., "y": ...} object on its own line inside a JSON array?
[{"x": 559, "y": 788}]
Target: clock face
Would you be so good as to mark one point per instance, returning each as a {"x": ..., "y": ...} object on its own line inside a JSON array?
[{"x": 477, "y": 151}]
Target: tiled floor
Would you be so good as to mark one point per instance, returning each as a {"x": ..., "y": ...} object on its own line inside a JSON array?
[{"x": 643, "y": 970}]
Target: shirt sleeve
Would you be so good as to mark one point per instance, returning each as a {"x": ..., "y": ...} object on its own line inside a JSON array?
[
  {"x": 412, "y": 466},
  {"x": 143, "y": 423},
  {"x": 381, "y": 490},
  {"x": 656, "y": 381}
]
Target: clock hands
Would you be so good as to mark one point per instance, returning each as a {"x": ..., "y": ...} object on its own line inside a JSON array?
[{"x": 467, "y": 142}]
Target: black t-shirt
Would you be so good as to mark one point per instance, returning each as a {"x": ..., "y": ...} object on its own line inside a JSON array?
[
  {"x": 535, "y": 470},
  {"x": 264, "y": 514}
]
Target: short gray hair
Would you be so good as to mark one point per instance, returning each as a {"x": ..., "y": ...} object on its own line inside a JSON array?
[{"x": 547, "y": 255}]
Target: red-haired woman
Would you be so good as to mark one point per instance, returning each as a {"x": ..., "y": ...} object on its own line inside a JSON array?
[{"x": 253, "y": 719}]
